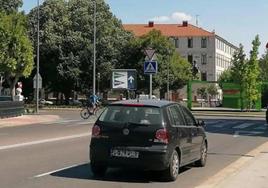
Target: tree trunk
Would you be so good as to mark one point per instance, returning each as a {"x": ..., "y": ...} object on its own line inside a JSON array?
[{"x": 12, "y": 85}]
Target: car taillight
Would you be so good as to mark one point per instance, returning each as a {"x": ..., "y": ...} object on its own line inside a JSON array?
[
  {"x": 96, "y": 131},
  {"x": 161, "y": 135}
]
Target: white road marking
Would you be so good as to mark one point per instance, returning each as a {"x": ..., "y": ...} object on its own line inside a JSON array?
[
  {"x": 246, "y": 133},
  {"x": 61, "y": 121},
  {"x": 261, "y": 128},
  {"x": 44, "y": 141},
  {"x": 223, "y": 124},
  {"x": 243, "y": 125},
  {"x": 213, "y": 122},
  {"x": 54, "y": 171}
]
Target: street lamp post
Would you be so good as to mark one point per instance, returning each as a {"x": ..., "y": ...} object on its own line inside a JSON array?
[
  {"x": 94, "y": 51},
  {"x": 168, "y": 81},
  {"x": 98, "y": 84},
  {"x": 37, "y": 62}
]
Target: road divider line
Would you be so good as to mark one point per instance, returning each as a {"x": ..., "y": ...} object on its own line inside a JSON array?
[
  {"x": 58, "y": 170},
  {"x": 43, "y": 141}
]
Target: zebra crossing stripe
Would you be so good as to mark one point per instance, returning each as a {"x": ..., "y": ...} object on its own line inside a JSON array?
[
  {"x": 261, "y": 127},
  {"x": 243, "y": 125}
]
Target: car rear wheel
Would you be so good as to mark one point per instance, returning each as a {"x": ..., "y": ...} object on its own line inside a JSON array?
[
  {"x": 98, "y": 170},
  {"x": 203, "y": 156},
  {"x": 171, "y": 173}
]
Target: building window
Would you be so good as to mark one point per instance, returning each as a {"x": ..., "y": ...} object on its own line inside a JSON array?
[
  {"x": 204, "y": 59},
  {"x": 203, "y": 76},
  {"x": 190, "y": 42},
  {"x": 203, "y": 42},
  {"x": 177, "y": 43},
  {"x": 190, "y": 58}
]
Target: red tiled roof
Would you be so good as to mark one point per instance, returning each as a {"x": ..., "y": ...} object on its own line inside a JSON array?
[{"x": 176, "y": 30}]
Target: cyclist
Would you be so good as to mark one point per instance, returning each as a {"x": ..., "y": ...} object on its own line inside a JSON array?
[{"x": 94, "y": 102}]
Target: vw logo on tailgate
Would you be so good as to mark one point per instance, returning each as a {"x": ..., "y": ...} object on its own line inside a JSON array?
[{"x": 126, "y": 131}]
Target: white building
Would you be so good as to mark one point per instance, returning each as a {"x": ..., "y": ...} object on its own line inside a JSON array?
[{"x": 211, "y": 53}]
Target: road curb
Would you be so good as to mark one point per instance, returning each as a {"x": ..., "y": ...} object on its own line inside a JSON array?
[{"x": 232, "y": 169}]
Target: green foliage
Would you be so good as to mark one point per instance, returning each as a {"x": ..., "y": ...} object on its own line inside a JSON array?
[
  {"x": 66, "y": 50},
  {"x": 9, "y": 6},
  {"x": 252, "y": 73},
  {"x": 181, "y": 72},
  {"x": 16, "y": 55},
  {"x": 225, "y": 77},
  {"x": 202, "y": 92},
  {"x": 238, "y": 66},
  {"x": 212, "y": 90},
  {"x": 169, "y": 62},
  {"x": 263, "y": 63}
]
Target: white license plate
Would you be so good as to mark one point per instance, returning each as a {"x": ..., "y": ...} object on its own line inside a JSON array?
[{"x": 124, "y": 153}]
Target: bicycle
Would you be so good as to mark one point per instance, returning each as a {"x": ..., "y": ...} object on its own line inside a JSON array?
[{"x": 89, "y": 110}]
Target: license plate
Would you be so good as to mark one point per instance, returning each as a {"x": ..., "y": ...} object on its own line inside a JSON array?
[{"x": 124, "y": 153}]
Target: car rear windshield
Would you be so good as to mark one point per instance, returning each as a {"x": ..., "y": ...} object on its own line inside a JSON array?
[{"x": 132, "y": 114}]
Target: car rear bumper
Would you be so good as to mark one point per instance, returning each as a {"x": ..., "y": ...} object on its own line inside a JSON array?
[{"x": 150, "y": 158}]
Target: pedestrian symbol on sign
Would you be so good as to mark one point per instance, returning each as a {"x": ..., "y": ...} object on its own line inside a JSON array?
[{"x": 150, "y": 67}]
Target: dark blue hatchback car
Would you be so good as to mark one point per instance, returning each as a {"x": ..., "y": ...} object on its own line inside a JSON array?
[{"x": 149, "y": 135}]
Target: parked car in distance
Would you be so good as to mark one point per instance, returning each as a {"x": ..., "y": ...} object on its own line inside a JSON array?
[
  {"x": 146, "y": 97},
  {"x": 75, "y": 102},
  {"x": 152, "y": 135},
  {"x": 43, "y": 101}
]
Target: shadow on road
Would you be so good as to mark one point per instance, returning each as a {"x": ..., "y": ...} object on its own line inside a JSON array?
[{"x": 113, "y": 174}]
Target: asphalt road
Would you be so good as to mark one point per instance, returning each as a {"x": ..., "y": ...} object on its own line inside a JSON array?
[{"x": 56, "y": 154}]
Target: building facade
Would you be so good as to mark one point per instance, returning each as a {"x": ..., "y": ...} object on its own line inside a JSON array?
[{"x": 210, "y": 53}]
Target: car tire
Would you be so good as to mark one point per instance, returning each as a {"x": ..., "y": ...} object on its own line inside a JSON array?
[
  {"x": 172, "y": 172},
  {"x": 203, "y": 156},
  {"x": 98, "y": 170}
]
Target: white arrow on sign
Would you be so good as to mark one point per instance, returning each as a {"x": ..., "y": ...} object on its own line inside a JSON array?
[{"x": 131, "y": 79}]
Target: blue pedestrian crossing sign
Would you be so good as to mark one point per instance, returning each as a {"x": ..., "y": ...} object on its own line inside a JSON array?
[{"x": 150, "y": 67}]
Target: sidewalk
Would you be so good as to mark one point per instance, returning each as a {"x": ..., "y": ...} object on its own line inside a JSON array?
[
  {"x": 222, "y": 112},
  {"x": 27, "y": 120},
  {"x": 246, "y": 172}
]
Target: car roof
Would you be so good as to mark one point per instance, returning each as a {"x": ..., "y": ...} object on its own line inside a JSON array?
[{"x": 153, "y": 103}]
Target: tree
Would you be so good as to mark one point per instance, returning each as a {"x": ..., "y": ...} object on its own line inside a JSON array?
[
  {"x": 225, "y": 77},
  {"x": 9, "y": 6},
  {"x": 202, "y": 92},
  {"x": 212, "y": 91},
  {"x": 168, "y": 60},
  {"x": 238, "y": 66},
  {"x": 263, "y": 63},
  {"x": 252, "y": 73},
  {"x": 238, "y": 71},
  {"x": 66, "y": 29},
  {"x": 16, "y": 55},
  {"x": 180, "y": 72}
]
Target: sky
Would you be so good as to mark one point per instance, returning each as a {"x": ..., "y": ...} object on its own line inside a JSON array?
[{"x": 237, "y": 21}]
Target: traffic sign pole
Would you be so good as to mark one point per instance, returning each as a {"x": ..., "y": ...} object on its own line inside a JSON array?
[{"x": 151, "y": 86}]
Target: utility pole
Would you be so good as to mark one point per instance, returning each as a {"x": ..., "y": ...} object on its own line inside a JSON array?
[
  {"x": 94, "y": 52},
  {"x": 37, "y": 62}
]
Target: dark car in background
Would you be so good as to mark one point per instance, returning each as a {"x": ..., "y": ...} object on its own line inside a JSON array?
[{"x": 150, "y": 135}]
